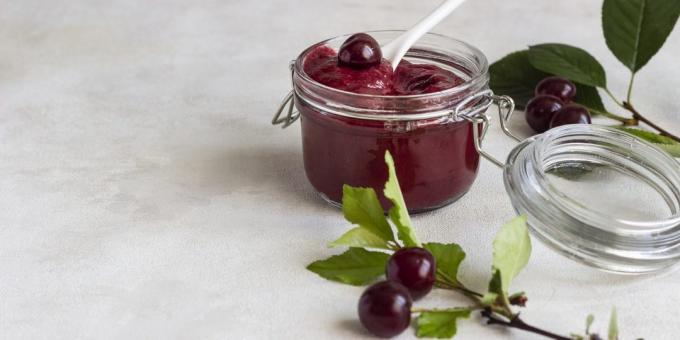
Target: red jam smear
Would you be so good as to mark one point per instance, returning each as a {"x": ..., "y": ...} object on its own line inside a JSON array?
[{"x": 436, "y": 163}]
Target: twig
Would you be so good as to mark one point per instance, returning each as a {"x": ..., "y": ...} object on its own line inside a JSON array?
[
  {"x": 638, "y": 116},
  {"x": 609, "y": 93},
  {"x": 624, "y": 120},
  {"x": 630, "y": 87},
  {"x": 518, "y": 323}
]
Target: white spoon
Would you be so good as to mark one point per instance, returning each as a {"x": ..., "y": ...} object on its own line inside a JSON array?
[{"x": 396, "y": 49}]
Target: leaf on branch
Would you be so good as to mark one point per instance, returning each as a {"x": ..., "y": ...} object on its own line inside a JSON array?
[
  {"x": 665, "y": 143},
  {"x": 356, "y": 266},
  {"x": 398, "y": 213},
  {"x": 589, "y": 97},
  {"x": 511, "y": 251},
  {"x": 496, "y": 290},
  {"x": 613, "y": 333},
  {"x": 568, "y": 61},
  {"x": 440, "y": 323},
  {"x": 489, "y": 299},
  {"x": 515, "y": 77},
  {"x": 589, "y": 322},
  {"x": 635, "y": 30},
  {"x": 362, "y": 238},
  {"x": 448, "y": 258},
  {"x": 362, "y": 207}
]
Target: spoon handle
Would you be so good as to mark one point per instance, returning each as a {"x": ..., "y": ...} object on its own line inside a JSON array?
[{"x": 396, "y": 49}]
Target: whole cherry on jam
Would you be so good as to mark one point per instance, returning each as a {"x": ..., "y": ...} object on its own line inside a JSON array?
[
  {"x": 385, "y": 309},
  {"x": 557, "y": 86},
  {"x": 414, "y": 268},
  {"x": 540, "y": 110},
  {"x": 359, "y": 51},
  {"x": 570, "y": 114}
]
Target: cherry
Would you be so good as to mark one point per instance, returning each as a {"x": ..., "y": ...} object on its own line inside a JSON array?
[
  {"x": 558, "y": 87},
  {"x": 359, "y": 51},
  {"x": 570, "y": 114},
  {"x": 385, "y": 309},
  {"x": 540, "y": 110},
  {"x": 414, "y": 268}
]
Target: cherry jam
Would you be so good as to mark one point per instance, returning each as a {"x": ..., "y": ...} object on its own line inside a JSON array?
[{"x": 435, "y": 158}]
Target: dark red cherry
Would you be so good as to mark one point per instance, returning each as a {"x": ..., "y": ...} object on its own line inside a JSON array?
[
  {"x": 359, "y": 51},
  {"x": 571, "y": 114},
  {"x": 414, "y": 268},
  {"x": 558, "y": 87},
  {"x": 540, "y": 110},
  {"x": 385, "y": 309}
]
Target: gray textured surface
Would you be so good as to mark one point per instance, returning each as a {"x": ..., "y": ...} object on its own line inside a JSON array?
[{"x": 143, "y": 193}]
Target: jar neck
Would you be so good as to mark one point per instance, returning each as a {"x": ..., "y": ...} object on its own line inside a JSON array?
[{"x": 462, "y": 59}]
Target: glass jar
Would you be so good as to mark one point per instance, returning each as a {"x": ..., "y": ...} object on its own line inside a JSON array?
[{"x": 345, "y": 135}]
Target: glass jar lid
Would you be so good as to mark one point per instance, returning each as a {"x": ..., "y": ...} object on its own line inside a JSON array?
[
  {"x": 600, "y": 196},
  {"x": 596, "y": 194}
]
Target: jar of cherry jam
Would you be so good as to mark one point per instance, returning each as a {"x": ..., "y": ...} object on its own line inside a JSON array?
[{"x": 420, "y": 119}]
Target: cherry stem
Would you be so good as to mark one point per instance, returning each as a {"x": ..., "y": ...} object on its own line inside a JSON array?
[
  {"x": 475, "y": 296},
  {"x": 609, "y": 93},
  {"x": 624, "y": 120},
  {"x": 518, "y": 323},
  {"x": 630, "y": 87},
  {"x": 515, "y": 321},
  {"x": 636, "y": 115},
  {"x": 468, "y": 292},
  {"x": 425, "y": 310}
]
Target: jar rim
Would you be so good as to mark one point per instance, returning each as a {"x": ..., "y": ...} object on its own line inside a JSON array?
[
  {"x": 612, "y": 136},
  {"x": 474, "y": 79},
  {"x": 606, "y": 241}
]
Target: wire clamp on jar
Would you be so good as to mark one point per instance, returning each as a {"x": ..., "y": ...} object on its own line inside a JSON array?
[
  {"x": 506, "y": 106},
  {"x": 287, "y": 105}
]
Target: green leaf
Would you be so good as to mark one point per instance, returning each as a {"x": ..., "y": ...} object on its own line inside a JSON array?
[
  {"x": 398, "y": 213},
  {"x": 514, "y": 76},
  {"x": 448, "y": 258},
  {"x": 496, "y": 284},
  {"x": 568, "y": 61},
  {"x": 356, "y": 266},
  {"x": 613, "y": 333},
  {"x": 636, "y": 29},
  {"x": 589, "y": 322},
  {"x": 511, "y": 250},
  {"x": 589, "y": 97},
  {"x": 361, "y": 206},
  {"x": 362, "y": 238},
  {"x": 489, "y": 299},
  {"x": 665, "y": 143},
  {"x": 673, "y": 150},
  {"x": 648, "y": 136},
  {"x": 440, "y": 323}
]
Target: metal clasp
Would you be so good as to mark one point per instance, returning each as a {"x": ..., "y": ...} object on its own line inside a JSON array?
[
  {"x": 287, "y": 105},
  {"x": 506, "y": 106}
]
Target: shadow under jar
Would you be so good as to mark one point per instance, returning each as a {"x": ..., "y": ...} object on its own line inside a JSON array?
[{"x": 345, "y": 135}]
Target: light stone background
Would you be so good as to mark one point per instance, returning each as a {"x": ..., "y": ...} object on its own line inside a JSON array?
[{"x": 144, "y": 194}]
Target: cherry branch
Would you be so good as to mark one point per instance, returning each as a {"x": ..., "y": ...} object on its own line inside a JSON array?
[
  {"x": 518, "y": 323},
  {"x": 490, "y": 311},
  {"x": 636, "y": 115}
]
